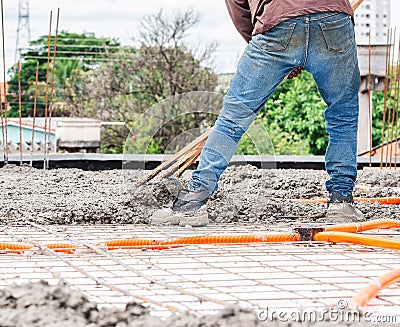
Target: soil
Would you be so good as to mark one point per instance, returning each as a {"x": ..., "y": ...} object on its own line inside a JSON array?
[{"x": 72, "y": 196}]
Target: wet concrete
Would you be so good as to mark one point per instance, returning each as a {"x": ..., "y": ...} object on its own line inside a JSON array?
[
  {"x": 246, "y": 194},
  {"x": 40, "y": 304},
  {"x": 72, "y": 196}
]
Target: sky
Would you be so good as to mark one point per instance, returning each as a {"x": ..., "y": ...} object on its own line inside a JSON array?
[{"x": 119, "y": 18}]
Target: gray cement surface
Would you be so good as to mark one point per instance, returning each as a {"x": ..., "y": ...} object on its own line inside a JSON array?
[
  {"x": 40, "y": 304},
  {"x": 246, "y": 194},
  {"x": 72, "y": 196}
]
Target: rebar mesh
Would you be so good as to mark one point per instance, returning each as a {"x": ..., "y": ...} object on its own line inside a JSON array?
[{"x": 200, "y": 278}]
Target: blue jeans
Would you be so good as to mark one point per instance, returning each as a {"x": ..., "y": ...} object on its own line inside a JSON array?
[{"x": 324, "y": 44}]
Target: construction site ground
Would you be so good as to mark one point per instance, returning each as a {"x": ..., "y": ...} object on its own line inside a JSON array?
[{"x": 196, "y": 285}]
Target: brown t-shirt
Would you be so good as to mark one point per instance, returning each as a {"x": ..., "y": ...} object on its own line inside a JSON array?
[{"x": 252, "y": 17}]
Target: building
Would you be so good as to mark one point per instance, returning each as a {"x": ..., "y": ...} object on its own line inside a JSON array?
[
  {"x": 373, "y": 16},
  {"x": 65, "y": 134},
  {"x": 372, "y": 19}
]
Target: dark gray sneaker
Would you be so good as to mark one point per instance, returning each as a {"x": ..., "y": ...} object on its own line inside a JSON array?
[
  {"x": 341, "y": 209},
  {"x": 187, "y": 209},
  {"x": 192, "y": 208}
]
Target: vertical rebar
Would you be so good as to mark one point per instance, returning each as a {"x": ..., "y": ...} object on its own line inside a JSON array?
[
  {"x": 20, "y": 112},
  {"x": 2, "y": 127},
  {"x": 369, "y": 100},
  {"x": 388, "y": 99},
  {"x": 392, "y": 97},
  {"x": 52, "y": 82},
  {"x": 396, "y": 108},
  {"x": 34, "y": 111},
  {"x": 396, "y": 117},
  {"x": 47, "y": 90},
  {"x": 384, "y": 95},
  {"x": 4, "y": 112}
]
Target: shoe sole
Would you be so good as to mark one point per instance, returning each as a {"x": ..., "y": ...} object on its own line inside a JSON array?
[
  {"x": 194, "y": 221},
  {"x": 165, "y": 222},
  {"x": 164, "y": 217}
]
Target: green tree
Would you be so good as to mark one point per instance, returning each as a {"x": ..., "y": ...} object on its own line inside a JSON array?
[
  {"x": 134, "y": 80},
  {"x": 294, "y": 117},
  {"x": 74, "y": 52}
]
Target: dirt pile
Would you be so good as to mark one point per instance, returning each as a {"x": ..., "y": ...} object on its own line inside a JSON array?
[{"x": 246, "y": 194}]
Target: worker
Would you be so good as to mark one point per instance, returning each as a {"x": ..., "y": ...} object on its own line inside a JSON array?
[{"x": 283, "y": 38}]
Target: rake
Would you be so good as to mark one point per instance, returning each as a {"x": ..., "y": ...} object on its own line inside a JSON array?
[{"x": 180, "y": 161}]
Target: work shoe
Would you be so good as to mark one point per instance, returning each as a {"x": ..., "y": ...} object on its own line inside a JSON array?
[
  {"x": 192, "y": 208},
  {"x": 341, "y": 209},
  {"x": 187, "y": 209},
  {"x": 164, "y": 216}
]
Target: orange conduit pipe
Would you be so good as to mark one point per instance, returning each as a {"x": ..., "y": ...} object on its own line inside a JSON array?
[
  {"x": 338, "y": 237},
  {"x": 231, "y": 239},
  {"x": 393, "y": 200},
  {"x": 163, "y": 244},
  {"x": 210, "y": 239},
  {"x": 61, "y": 247},
  {"x": 364, "y": 226},
  {"x": 362, "y": 298},
  {"x": 135, "y": 243},
  {"x": 333, "y": 233},
  {"x": 20, "y": 247},
  {"x": 14, "y": 246}
]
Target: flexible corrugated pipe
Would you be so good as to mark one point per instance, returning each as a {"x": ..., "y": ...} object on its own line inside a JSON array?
[
  {"x": 211, "y": 239},
  {"x": 390, "y": 200},
  {"x": 339, "y": 237},
  {"x": 364, "y": 226},
  {"x": 362, "y": 298},
  {"x": 333, "y": 233}
]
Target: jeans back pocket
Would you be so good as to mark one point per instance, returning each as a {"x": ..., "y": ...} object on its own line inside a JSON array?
[
  {"x": 338, "y": 34},
  {"x": 277, "y": 38}
]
